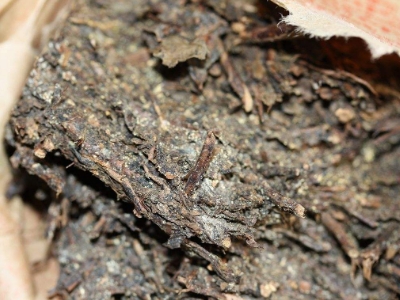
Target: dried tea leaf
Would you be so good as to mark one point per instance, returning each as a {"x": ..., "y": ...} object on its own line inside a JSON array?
[{"x": 175, "y": 49}]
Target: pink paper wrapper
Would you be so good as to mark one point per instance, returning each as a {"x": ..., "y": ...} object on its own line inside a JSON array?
[{"x": 375, "y": 21}]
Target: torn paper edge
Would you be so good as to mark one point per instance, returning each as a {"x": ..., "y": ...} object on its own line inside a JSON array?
[{"x": 318, "y": 23}]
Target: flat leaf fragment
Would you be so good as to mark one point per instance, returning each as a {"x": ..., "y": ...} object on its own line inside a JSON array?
[{"x": 175, "y": 49}]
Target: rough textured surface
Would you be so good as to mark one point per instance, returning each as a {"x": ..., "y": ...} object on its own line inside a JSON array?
[{"x": 207, "y": 157}]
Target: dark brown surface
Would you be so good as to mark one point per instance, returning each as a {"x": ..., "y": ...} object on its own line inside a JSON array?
[{"x": 208, "y": 157}]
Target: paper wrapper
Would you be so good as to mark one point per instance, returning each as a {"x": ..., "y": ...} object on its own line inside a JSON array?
[{"x": 376, "y": 22}]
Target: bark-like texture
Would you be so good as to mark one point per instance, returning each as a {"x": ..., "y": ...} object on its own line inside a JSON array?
[{"x": 214, "y": 152}]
